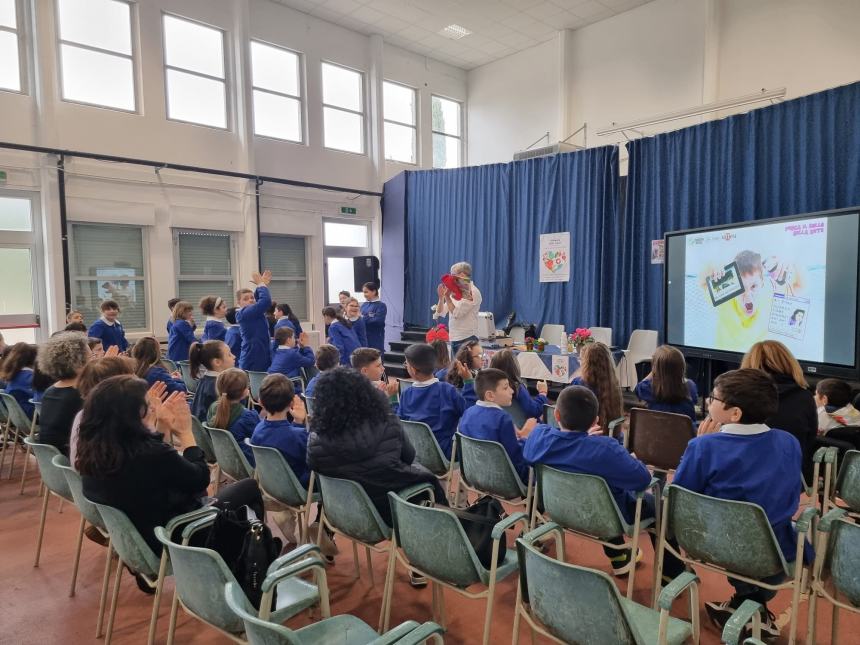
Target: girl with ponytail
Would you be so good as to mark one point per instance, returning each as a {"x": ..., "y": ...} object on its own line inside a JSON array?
[
  {"x": 147, "y": 355},
  {"x": 207, "y": 360},
  {"x": 228, "y": 411},
  {"x": 340, "y": 333},
  {"x": 215, "y": 310}
]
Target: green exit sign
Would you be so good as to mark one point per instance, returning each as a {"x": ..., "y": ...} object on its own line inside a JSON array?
[
  {"x": 2, "y": 176},
  {"x": 348, "y": 210}
]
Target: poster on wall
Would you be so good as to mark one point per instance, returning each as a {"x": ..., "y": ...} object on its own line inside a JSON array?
[
  {"x": 658, "y": 252},
  {"x": 555, "y": 257}
]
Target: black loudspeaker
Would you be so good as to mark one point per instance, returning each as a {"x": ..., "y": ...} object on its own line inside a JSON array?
[{"x": 365, "y": 268}]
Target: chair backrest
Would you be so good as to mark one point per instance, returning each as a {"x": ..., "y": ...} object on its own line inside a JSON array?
[
  {"x": 427, "y": 450},
  {"x": 487, "y": 467},
  {"x": 127, "y": 541},
  {"x": 37, "y": 409},
  {"x": 309, "y": 372},
  {"x": 734, "y": 535},
  {"x": 348, "y": 509},
  {"x": 575, "y": 604},
  {"x": 848, "y": 480},
  {"x": 257, "y": 630},
  {"x": 169, "y": 365},
  {"x": 517, "y": 413},
  {"x": 602, "y": 335},
  {"x": 518, "y": 335},
  {"x": 309, "y": 404},
  {"x": 201, "y": 576},
  {"x": 202, "y": 439},
  {"x": 276, "y": 478},
  {"x": 4, "y": 415},
  {"x": 403, "y": 384},
  {"x": 643, "y": 343},
  {"x": 51, "y": 475},
  {"x": 578, "y": 502},
  {"x": 659, "y": 438},
  {"x": 298, "y": 383},
  {"x": 844, "y": 559},
  {"x": 256, "y": 379},
  {"x": 549, "y": 415},
  {"x": 228, "y": 454},
  {"x": 17, "y": 416},
  {"x": 552, "y": 333},
  {"x": 433, "y": 540},
  {"x": 76, "y": 486},
  {"x": 189, "y": 379}
]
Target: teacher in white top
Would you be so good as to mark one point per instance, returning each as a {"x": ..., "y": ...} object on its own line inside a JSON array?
[{"x": 463, "y": 313}]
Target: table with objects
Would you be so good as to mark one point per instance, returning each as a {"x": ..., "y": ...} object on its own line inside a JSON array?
[{"x": 551, "y": 364}]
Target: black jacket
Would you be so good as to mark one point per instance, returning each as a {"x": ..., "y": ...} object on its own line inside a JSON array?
[
  {"x": 380, "y": 458},
  {"x": 153, "y": 487},
  {"x": 797, "y": 415}
]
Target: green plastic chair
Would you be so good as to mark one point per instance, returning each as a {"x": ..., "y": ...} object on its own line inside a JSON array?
[
  {"x": 201, "y": 575},
  {"x": 309, "y": 404},
  {"x": 517, "y": 413},
  {"x": 18, "y": 426},
  {"x": 337, "y": 629},
  {"x": 549, "y": 415},
  {"x": 189, "y": 379},
  {"x": 169, "y": 365},
  {"x": 89, "y": 513},
  {"x": 229, "y": 455},
  {"x": 279, "y": 483},
  {"x": 486, "y": 468},
  {"x": 432, "y": 542},
  {"x": 34, "y": 431},
  {"x": 429, "y": 454},
  {"x": 256, "y": 379},
  {"x": 54, "y": 481},
  {"x": 403, "y": 384},
  {"x": 573, "y": 604},
  {"x": 847, "y": 487},
  {"x": 298, "y": 383},
  {"x": 133, "y": 551},
  {"x": 733, "y": 630},
  {"x": 731, "y": 538},
  {"x": 837, "y": 561},
  {"x": 583, "y": 505}
]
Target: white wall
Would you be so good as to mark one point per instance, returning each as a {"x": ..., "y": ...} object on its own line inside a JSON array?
[
  {"x": 39, "y": 117},
  {"x": 663, "y": 56}
]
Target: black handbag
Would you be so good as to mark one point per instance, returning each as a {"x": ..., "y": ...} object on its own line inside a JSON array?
[{"x": 478, "y": 521}]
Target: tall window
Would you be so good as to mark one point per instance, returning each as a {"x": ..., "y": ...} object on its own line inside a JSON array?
[
  {"x": 20, "y": 290},
  {"x": 400, "y": 122},
  {"x": 204, "y": 265},
  {"x": 107, "y": 263},
  {"x": 343, "y": 242},
  {"x": 286, "y": 257},
  {"x": 447, "y": 132},
  {"x": 96, "y": 52},
  {"x": 10, "y": 59},
  {"x": 195, "y": 72},
  {"x": 276, "y": 78},
  {"x": 343, "y": 108}
]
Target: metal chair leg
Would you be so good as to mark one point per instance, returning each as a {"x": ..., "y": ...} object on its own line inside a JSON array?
[
  {"x": 24, "y": 473},
  {"x": 14, "y": 452},
  {"x": 156, "y": 602},
  {"x": 369, "y": 566},
  {"x": 103, "y": 595},
  {"x": 113, "y": 601},
  {"x": 354, "y": 556},
  {"x": 174, "y": 608},
  {"x": 77, "y": 556},
  {"x": 41, "y": 527}
]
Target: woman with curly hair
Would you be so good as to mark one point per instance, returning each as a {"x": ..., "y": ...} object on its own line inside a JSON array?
[{"x": 597, "y": 373}]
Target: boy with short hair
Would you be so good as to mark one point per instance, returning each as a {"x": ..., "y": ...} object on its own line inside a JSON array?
[
  {"x": 290, "y": 357},
  {"x": 833, "y": 398},
  {"x": 251, "y": 316},
  {"x": 368, "y": 361},
  {"x": 108, "y": 328},
  {"x": 737, "y": 457},
  {"x": 233, "y": 335},
  {"x": 279, "y": 400},
  {"x": 428, "y": 400},
  {"x": 170, "y": 305},
  {"x": 328, "y": 357},
  {"x": 486, "y": 420}
]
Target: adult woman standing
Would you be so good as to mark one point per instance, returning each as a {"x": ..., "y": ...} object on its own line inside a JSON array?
[
  {"x": 373, "y": 311},
  {"x": 462, "y": 313}
]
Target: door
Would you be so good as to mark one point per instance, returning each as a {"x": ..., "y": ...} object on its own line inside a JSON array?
[{"x": 19, "y": 269}]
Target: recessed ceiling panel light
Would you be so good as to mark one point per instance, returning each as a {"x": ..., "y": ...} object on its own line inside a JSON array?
[{"x": 454, "y": 32}]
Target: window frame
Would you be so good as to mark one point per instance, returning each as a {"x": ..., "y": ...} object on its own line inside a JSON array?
[
  {"x": 228, "y": 112},
  {"x": 306, "y": 278},
  {"x": 144, "y": 243},
  {"x": 343, "y": 252},
  {"x": 22, "y": 50},
  {"x": 196, "y": 277},
  {"x": 133, "y": 57},
  {"x": 461, "y": 138},
  {"x": 300, "y": 98},
  {"x": 362, "y": 114},
  {"x": 414, "y": 125}
]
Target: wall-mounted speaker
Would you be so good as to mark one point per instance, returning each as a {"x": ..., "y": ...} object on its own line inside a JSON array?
[{"x": 365, "y": 268}]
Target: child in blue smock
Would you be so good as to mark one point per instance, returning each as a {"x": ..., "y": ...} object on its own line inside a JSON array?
[
  {"x": 667, "y": 388},
  {"x": 374, "y": 312},
  {"x": 737, "y": 456},
  {"x": 353, "y": 315},
  {"x": 233, "y": 335},
  {"x": 207, "y": 360},
  {"x": 470, "y": 354},
  {"x": 340, "y": 334},
  {"x": 228, "y": 412},
  {"x": 108, "y": 328},
  {"x": 181, "y": 336},
  {"x": 17, "y": 373},
  {"x": 290, "y": 438},
  {"x": 147, "y": 355},
  {"x": 506, "y": 361},
  {"x": 215, "y": 310},
  {"x": 290, "y": 357},
  {"x": 285, "y": 317},
  {"x": 597, "y": 373},
  {"x": 170, "y": 305},
  {"x": 251, "y": 316},
  {"x": 327, "y": 358}
]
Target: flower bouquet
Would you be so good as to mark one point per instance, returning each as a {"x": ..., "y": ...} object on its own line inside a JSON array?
[
  {"x": 579, "y": 338},
  {"x": 540, "y": 344}
]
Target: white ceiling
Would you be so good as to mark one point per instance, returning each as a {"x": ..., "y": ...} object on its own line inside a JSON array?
[{"x": 499, "y": 27}]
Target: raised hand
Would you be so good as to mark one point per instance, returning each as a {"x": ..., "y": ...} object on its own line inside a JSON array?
[
  {"x": 298, "y": 410},
  {"x": 708, "y": 426},
  {"x": 463, "y": 370},
  {"x": 176, "y": 415},
  {"x": 528, "y": 426},
  {"x": 392, "y": 386},
  {"x": 113, "y": 350},
  {"x": 303, "y": 339},
  {"x": 154, "y": 398},
  {"x": 542, "y": 387}
]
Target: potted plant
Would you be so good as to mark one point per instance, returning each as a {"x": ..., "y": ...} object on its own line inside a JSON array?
[
  {"x": 540, "y": 344},
  {"x": 579, "y": 338},
  {"x": 529, "y": 343}
]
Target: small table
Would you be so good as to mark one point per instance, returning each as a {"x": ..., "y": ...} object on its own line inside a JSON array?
[{"x": 541, "y": 366}]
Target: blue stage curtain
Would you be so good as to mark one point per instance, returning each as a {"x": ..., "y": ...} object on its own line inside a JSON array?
[
  {"x": 455, "y": 215},
  {"x": 393, "y": 250},
  {"x": 795, "y": 157},
  {"x": 573, "y": 192}
]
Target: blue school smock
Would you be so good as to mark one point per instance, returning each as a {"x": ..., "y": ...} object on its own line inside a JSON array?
[
  {"x": 531, "y": 406},
  {"x": 344, "y": 339},
  {"x": 290, "y": 439},
  {"x": 242, "y": 428},
  {"x": 374, "y": 321},
  {"x": 645, "y": 392},
  {"x": 749, "y": 463},
  {"x": 21, "y": 389},
  {"x": 289, "y": 361},
  {"x": 439, "y": 405},
  {"x": 180, "y": 341},
  {"x": 204, "y": 396},
  {"x": 158, "y": 373},
  {"x": 214, "y": 329},
  {"x": 233, "y": 338},
  {"x": 286, "y": 322},
  {"x": 109, "y": 334},
  {"x": 491, "y": 423},
  {"x": 169, "y": 325},
  {"x": 577, "y": 452},
  {"x": 360, "y": 329},
  {"x": 311, "y": 385},
  {"x": 256, "y": 353}
]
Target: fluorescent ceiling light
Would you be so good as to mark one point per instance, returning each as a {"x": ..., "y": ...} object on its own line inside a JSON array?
[{"x": 455, "y": 32}]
